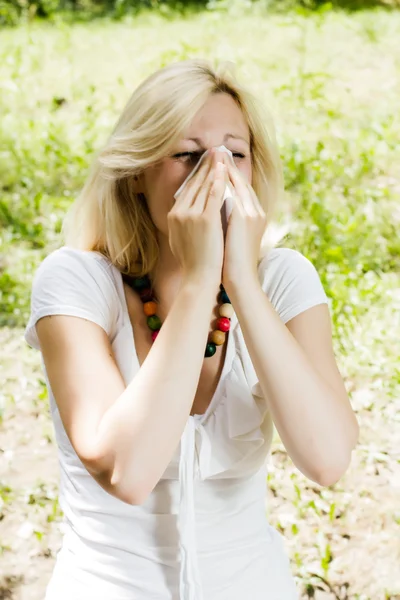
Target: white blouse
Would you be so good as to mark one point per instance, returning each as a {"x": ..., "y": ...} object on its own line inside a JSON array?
[{"x": 202, "y": 534}]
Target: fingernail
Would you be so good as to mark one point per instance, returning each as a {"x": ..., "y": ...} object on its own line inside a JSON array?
[{"x": 220, "y": 167}]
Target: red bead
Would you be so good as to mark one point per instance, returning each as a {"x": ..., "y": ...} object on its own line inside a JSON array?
[
  {"x": 223, "y": 324},
  {"x": 146, "y": 295},
  {"x": 154, "y": 334}
]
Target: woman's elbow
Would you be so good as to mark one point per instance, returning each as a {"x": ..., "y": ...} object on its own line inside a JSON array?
[
  {"x": 328, "y": 477},
  {"x": 329, "y": 474}
]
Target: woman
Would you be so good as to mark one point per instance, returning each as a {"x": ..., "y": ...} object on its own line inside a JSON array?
[{"x": 163, "y": 431}]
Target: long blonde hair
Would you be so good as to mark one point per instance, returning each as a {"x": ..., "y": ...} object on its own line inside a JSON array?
[{"x": 109, "y": 216}]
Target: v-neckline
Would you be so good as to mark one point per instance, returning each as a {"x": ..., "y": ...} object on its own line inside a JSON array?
[
  {"x": 201, "y": 418},
  {"x": 228, "y": 361}
]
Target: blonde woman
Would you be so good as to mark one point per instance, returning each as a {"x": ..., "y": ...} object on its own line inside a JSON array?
[{"x": 170, "y": 352}]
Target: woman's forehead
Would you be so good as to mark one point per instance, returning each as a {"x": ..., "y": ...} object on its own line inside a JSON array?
[{"x": 219, "y": 117}]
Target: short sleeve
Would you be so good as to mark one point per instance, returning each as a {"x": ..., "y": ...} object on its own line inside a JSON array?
[
  {"x": 74, "y": 283},
  {"x": 291, "y": 282}
]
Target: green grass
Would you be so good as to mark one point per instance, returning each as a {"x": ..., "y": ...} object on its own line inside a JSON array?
[{"x": 332, "y": 81}]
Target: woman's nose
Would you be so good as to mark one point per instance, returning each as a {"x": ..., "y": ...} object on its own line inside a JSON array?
[{"x": 221, "y": 155}]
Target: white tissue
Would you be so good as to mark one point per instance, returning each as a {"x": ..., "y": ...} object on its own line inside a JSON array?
[{"x": 227, "y": 205}]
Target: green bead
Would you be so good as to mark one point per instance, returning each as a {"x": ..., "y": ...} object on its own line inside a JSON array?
[
  {"x": 141, "y": 283},
  {"x": 210, "y": 349},
  {"x": 154, "y": 322},
  {"x": 224, "y": 298}
]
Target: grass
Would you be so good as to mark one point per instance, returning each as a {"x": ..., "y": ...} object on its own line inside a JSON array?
[{"x": 332, "y": 82}]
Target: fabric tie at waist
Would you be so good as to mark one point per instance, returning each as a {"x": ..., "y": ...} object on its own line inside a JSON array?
[{"x": 190, "y": 587}]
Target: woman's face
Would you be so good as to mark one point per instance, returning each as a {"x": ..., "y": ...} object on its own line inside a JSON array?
[{"x": 219, "y": 122}]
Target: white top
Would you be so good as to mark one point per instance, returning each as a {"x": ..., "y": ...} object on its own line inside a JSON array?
[{"x": 202, "y": 534}]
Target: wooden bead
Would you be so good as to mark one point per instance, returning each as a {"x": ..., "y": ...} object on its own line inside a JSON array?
[
  {"x": 143, "y": 286},
  {"x": 223, "y": 298},
  {"x": 223, "y": 324},
  {"x": 146, "y": 295},
  {"x": 150, "y": 308},
  {"x": 210, "y": 349},
  {"x": 141, "y": 283},
  {"x": 154, "y": 322},
  {"x": 218, "y": 337},
  {"x": 226, "y": 310}
]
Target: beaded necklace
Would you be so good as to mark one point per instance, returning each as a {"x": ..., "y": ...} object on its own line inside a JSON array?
[{"x": 142, "y": 285}]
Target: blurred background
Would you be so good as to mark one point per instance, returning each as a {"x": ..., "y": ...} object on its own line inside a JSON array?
[{"x": 330, "y": 75}]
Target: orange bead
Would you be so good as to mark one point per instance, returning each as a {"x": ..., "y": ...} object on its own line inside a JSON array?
[
  {"x": 218, "y": 337},
  {"x": 150, "y": 308},
  {"x": 226, "y": 310}
]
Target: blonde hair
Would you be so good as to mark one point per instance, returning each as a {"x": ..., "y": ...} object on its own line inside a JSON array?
[{"x": 109, "y": 216}]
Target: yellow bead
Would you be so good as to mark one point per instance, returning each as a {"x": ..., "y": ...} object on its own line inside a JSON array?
[
  {"x": 226, "y": 310},
  {"x": 218, "y": 337}
]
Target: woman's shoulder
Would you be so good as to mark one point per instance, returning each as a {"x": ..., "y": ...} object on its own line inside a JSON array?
[
  {"x": 290, "y": 281},
  {"x": 66, "y": 257},
  {"x": 77, "y": 283},
  {"x": 282, "y": 256},
  {"x": 81, "y": 269},
  {"x": 283, "y": 262}
]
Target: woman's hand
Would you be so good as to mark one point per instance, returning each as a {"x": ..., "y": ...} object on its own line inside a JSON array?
[
  {"x": 246, "y": 228},
  {"x": 195, "y": 228}
]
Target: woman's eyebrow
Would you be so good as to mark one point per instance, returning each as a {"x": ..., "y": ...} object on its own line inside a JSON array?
[
  {"x": 235, "y": 136},
  {"x": 227, "y": 136}
]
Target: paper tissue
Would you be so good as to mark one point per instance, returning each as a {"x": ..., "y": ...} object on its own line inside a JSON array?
[{"x": 227, "y": 205}]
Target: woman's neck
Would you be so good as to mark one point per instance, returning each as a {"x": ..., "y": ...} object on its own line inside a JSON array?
[{"x": 166, "y": 278}]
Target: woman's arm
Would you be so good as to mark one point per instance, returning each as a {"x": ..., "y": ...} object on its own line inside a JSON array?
[
  {"x": 298, "y": 375},
  {"x": 126, "y": 436}
]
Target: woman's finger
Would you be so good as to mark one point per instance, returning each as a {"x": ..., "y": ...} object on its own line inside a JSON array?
[
  {"x": 200, "y": 201},
  {"x": 190, "y": 191},
  {"x": 242, "y": 190},
  {"x": 216, "y": 192}
]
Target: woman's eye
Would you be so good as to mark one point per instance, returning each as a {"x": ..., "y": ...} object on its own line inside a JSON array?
[
  {"x": 191, "y": 157},
  {"x": 195, "y": 156}
]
